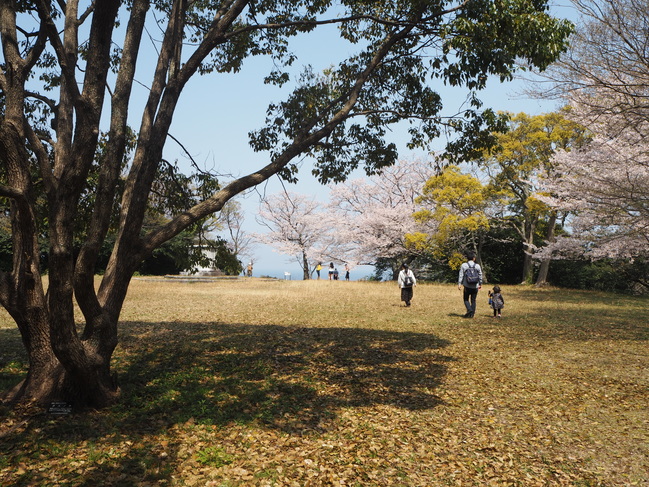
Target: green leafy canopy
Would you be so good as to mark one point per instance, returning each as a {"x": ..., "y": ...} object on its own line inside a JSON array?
[{"x": 439, "y": 46}]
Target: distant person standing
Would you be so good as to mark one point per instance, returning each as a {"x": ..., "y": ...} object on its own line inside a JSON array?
[
  {"x": 407, "y": 282},
  {"x": 249, "y": 270},
  {"x": 318, "y": 268},
  {"x": 471, "y": 279},
  {"x": 346, "y": 272},
  {"x": 331, "y": 271}
]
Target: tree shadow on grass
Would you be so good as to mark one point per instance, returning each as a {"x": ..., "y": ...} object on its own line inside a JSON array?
[
  {"x": 292, "y": 379},
  {"x": 220, "y": 372}
]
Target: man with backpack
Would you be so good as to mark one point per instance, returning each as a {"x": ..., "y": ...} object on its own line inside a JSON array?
[{"x": 471, "y": 278}]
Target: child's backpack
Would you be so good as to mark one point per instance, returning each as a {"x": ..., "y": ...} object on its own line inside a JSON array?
[
  {"x": 471, "y": 274},
  {"x": 498, "y": 301}
]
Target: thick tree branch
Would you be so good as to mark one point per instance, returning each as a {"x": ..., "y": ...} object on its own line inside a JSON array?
[
  {"x": 110, "y": 169},
  {"x": 302, "y": 141},
  {"x": 49, "y": 27},
  {"x": 43, "y": 159}
]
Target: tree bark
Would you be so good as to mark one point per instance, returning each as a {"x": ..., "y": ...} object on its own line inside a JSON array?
[
  {"x": 305, "y": 267},
  {"x": 528, "y": 242},
  {"x": 542, "y": 278}
]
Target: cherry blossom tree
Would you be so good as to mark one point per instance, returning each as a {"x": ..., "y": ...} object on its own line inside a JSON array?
[
  {"x": 606, "y": 187},
  {"x": 230, "y": 221},
  {"x": 605, "y": 78},
  {"x": 297, "y": 227},
  {"x": 375, "y": 214},
  {"x": 605, "y": 71}
]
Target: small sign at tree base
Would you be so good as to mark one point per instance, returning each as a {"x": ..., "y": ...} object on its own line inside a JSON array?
[{"x": 59, "y": 407}]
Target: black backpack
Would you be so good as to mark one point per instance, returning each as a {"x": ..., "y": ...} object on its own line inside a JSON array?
[
  {"x": 408, "y": 281},
  {"x": 471, "y": 274}
]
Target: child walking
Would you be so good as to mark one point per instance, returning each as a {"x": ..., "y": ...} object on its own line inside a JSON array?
[{"x": 496, "y": 301}]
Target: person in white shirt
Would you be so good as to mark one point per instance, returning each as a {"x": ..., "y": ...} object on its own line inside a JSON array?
[{"x": 406, "y": 282}]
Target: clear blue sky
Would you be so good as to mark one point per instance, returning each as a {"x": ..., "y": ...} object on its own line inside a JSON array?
[{"x": 216, "y": 113}]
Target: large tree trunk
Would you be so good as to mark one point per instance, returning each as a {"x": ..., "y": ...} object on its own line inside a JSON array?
[
  {"x": 528, "y": 265},
  {"x": 305, "y": 267},
  {"x": 528, "y": 242},
  {"x": 48, "y": 381},
  {"x": 84, "y": 380},
  {"x": 542, "y": 278},
  {"x": 40, "y": 383}
]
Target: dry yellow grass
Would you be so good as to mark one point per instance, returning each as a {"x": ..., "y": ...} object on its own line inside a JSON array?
[{"x": 254, "y": 382}]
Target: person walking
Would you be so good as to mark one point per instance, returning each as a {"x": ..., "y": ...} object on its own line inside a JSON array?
[
  {"x": 331, "y": 271},
  {"x": 496, "y": 301},
  {"x": 346, "y": 272},
  {"x": 407, "y": 282},
  {"x": 470, "y": 278},
  {"x": 318, "y": 268}
]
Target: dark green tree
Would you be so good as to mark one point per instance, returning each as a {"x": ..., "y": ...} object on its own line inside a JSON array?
[
  {"x": 181, "y": 254},
  {"x": 61, "y": 77}
]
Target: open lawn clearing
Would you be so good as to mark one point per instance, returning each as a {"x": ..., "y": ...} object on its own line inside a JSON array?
[{"x": 253, "y": 382}]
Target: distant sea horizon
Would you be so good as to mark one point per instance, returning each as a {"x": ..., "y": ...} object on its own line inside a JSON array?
[{"x": 294, "y": 273}]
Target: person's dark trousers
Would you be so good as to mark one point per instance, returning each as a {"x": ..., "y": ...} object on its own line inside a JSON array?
[
  {"x": 470, "y": 298},
  {"x": 406, "y": 295}
]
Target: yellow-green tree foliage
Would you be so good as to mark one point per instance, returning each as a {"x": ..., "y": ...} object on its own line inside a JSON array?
[
  {"x": 522, "y": 160},
  {"x": 454, "y": 207},
  {"x": 525, "y": 153}
]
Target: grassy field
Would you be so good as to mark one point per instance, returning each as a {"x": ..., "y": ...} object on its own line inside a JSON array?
[{"x": 291, "y": 383}]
